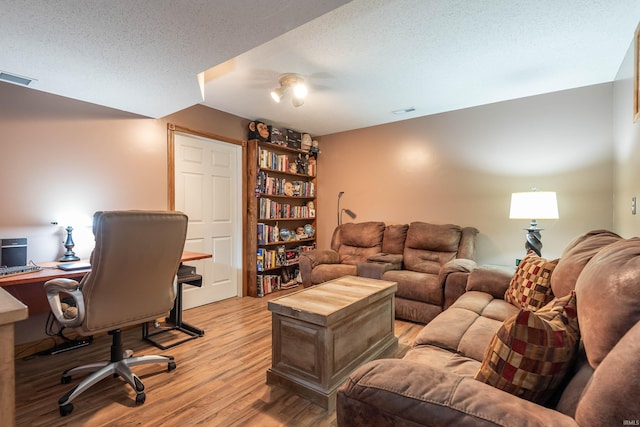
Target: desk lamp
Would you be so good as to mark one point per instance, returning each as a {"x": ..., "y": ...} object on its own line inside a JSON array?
[
  {"x": 68, "y": 255},
  {"x": 538, "y": 205}
]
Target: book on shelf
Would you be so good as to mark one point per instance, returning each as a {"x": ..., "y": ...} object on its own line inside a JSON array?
[{"x": 267, "y": 283}]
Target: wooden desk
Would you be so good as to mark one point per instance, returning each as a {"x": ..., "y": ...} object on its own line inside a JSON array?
[
  {"x": 11, "y": 311},
  {"x": 28, "y": 287}
]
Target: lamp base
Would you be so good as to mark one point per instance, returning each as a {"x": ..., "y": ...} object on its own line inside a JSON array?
[
  {"x": 69, "y": 257},
  {"x": 534, "y": 240}
]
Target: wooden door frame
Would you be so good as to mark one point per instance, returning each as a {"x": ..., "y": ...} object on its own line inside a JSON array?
[{"x": 171, "y": 182}]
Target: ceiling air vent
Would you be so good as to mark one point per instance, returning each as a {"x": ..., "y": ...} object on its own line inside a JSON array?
[{"x": 13, "y": 78}]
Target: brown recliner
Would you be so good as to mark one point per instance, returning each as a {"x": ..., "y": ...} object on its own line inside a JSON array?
[
  {"x": 351, "y": 243},
  {"x": 132, "y": 281},
  {"x": 432, "y": 252}
]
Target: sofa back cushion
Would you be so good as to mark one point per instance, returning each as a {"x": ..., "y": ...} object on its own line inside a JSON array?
[
  {"x": 611, "y": 396},
  {"x": 429, "y": 246},
  {"x": 355, "y": 242},
  {"x": 608, "y": 293},
  {"x": 394, "y": 238},
  {"x": 575, "y": 256}
]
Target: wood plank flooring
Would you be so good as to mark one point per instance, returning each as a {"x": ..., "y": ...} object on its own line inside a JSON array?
[{"x": 219, "y": 380}]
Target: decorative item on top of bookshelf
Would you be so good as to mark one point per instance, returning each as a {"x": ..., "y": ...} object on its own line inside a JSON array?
[
  {"x": 277, "y": 137},
  {"x": 306, "y": 143},
  {"x": 294, "y": 139},
  {"x": 258, "y": 130}
]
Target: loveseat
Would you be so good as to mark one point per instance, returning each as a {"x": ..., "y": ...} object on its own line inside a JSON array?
[
  {"x": 570, "y": 357},
  {"x": 428, "y": 261}
]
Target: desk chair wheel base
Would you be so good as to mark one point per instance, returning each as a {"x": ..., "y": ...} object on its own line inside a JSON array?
[
  {"x": 66, "y": 409},
  {"x": 119, "y": 366}
]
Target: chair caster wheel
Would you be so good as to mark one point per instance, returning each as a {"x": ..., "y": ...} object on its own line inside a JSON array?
[
  {"x": 140, "y": 398},
  {"x": 66, "y": 409},
  {"x": 171, "y": 366},
  {"x": 65, "y": 379}
]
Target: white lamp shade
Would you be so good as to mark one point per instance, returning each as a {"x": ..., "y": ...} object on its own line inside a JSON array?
[{"x": 534, "y": 205}]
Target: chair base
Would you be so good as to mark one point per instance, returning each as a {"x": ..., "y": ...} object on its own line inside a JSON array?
[{"x": 120, "y": 365}]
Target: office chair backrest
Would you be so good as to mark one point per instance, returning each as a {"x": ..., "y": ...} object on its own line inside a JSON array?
[{"x": 133, "y": 267}]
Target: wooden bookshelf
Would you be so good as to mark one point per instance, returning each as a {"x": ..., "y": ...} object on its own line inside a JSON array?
[{"x": 278, "y": 194}]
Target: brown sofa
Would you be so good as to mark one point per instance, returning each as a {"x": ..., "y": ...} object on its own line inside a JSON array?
[
  {"x": 434, "y": 385},
  {"x": 428, "y": 261}
]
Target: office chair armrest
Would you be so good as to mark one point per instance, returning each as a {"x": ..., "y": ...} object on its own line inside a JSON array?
[{"x": 66, "y": 317}]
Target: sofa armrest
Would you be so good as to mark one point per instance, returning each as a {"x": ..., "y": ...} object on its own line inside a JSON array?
[
  {"x": 392, "y": 392},
  {"x": 493, "y": 280},
  {"x": 378, "y": 264},
  {"x": 311, "y": 259},
  {"x": 453, "y": 279}
]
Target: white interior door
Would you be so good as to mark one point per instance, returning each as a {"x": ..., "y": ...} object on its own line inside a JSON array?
[{"x": 207, "y": 182}]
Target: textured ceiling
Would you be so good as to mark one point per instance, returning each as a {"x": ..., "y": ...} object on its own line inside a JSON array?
[
  {"x": 362, "y": 60},
  {"x": 141, "y": 56}
]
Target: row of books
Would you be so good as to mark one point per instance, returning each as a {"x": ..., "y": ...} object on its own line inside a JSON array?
[
  {"x": 270, "y": 160},
  {"x": 279, "y": 257},
  {"x": 280, "y": 186},
  {"x": 268, "y": 208},
  {"x": 267, "y": 283},
  {"x": 272, "y": 258}
]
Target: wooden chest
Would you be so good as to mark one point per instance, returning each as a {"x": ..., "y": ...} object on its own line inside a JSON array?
[{"x": 322, "y": 334}]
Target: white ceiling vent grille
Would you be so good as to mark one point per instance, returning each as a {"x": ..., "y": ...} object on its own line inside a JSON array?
[{"x": 14, "y": 78}]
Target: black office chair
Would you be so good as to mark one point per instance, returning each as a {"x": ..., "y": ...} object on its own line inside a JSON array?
[{"x": 132, "y": 280}]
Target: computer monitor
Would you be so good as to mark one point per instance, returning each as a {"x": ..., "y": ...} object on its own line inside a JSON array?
[{"x": 13, "y": 252}]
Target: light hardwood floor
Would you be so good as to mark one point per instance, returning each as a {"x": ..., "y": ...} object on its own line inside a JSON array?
[{"x": 219, "y": 380}]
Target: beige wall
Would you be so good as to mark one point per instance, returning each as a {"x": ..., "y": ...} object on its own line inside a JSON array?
[
  {"x": 627, "y": 151},
  {"x": 60, "y": 155},
  {"x": 461, "y": 167}
]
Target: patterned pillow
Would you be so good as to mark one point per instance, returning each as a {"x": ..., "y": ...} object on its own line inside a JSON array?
[
  {"x": 531, "y": 353},
  {"x": 530, "y": 287}
]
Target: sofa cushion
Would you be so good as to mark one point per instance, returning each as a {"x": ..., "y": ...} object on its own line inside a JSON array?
[
  {"x": 608, "y": 293},
  {"x": 359, "y": 241},
  {"x": 443, "y": 360},
  {"x": 416, "y": 286},
  {"x": 532, "y": 352},
  {"x": 394, "y": 238},
  {"x": 467, "y": 327},
  {"x": 530, "y": 287},
  {"x": 430, "y": 246},
  {"x": 575, "y": 256}
]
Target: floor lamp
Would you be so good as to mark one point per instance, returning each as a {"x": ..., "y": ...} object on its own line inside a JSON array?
[{"x": 347, "y": 211}]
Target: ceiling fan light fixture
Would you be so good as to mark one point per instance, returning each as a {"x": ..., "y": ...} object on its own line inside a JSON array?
[
  {"x": 298, "y": 87},
  {"x": 277, "y": 94},
  {"x": 297, "y": 102}
]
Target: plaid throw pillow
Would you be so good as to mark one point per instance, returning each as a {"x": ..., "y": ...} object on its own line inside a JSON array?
[
  {"x": 530, "y": 287},
  {"x": 531, "y": 353}
]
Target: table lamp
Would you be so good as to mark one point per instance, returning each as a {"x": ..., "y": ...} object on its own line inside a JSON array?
[{"x": 534, "y": 205}]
